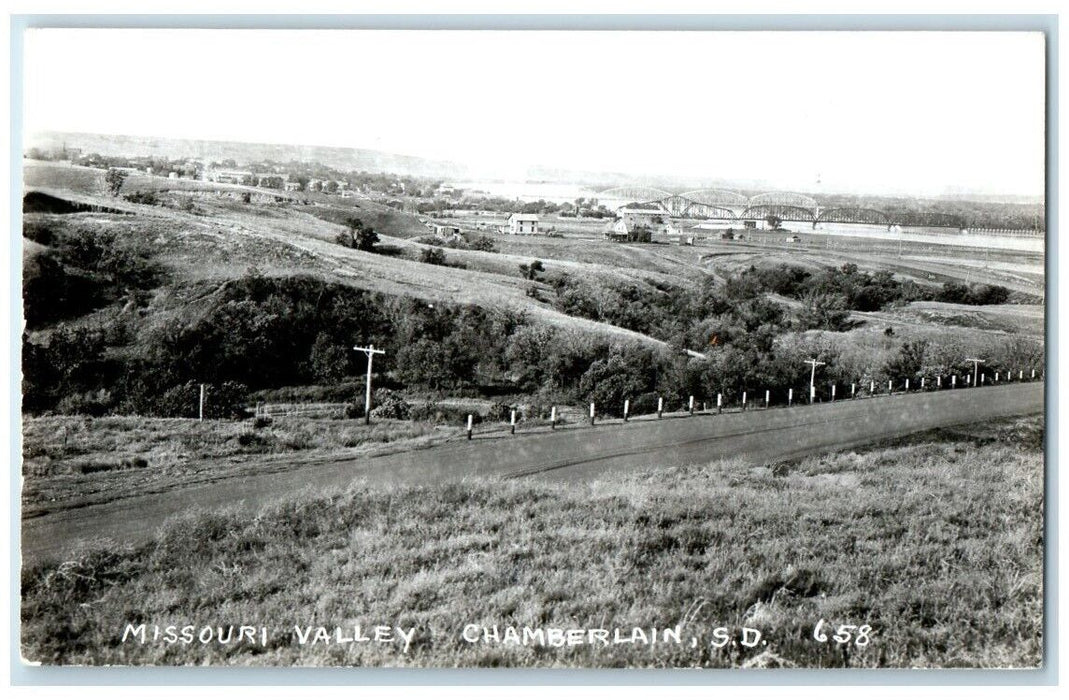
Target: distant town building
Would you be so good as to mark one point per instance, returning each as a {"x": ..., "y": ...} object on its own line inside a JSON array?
[
  {"x": 292, "y": 186},
  {"x": 235, "y": 177},
  {"x": 641, "y": 217},
  {"x": 522, "y": 224}
]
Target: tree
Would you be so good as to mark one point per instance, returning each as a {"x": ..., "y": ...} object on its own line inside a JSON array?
[
  {"x": 531, "y": 271},
  {"x": 432, "y": 256},
  {"x": 774, "y": 222},
  {"x": 364, "y": 237},
  {"x": 114, "y": 179}
]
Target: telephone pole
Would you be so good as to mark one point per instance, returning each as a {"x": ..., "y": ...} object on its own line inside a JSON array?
[
  {"x": 812, "y": 378},
  {"x": 370, "y": 351},
  {"x": 975, "y": 369}
]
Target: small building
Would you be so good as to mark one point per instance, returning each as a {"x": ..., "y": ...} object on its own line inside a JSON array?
[
  {"x": 792, "y": 239},
  {"x": 522, "y": 224},
  {"x": 622, "y": 231},
  {"x": 446, "y": 231},
  {"x": 292, "y": 186}
]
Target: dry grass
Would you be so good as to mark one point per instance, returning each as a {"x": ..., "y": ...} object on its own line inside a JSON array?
[
  {"x": 935, "y": 542},
  {"x": 72, "y": 460}
]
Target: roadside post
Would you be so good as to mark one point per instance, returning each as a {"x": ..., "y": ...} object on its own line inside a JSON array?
[
  {"x": 201, "y": 412},
  {"x": 983, "y": 379},
  {"x": 922, "y": 383},
  {"x": 719, "y": 404},
  {"x": 872, "y": 387},
  {"x": 744, "y": 400},
  {"x": 512, "y": 422},
  {"x": 592, "y": 413},
  {"x": 690, "y": 405},
  {"x": 469, "y": 425},
  {"x": 1033, "y": 375},
  {"x": 813, "y": 364},
  {"x": 853, "y": 390},
  {"x": 907, "y": 383},
  {"x": 767, "y": 396},
  {"x": 833, "y": 393},
  {"x": 939, "y": 382},
  {"x": 790, "y": 396},
  {"x": 1020, "y": 375},
  {"x": 660, "y": 407},
  {"x": 996, "y": 377},
  {"x": 627, "y": 408},
  {"x": 553, "y": 418},
  {"x": 954, "y": 381},
  {"x": 890, "y": 386}
]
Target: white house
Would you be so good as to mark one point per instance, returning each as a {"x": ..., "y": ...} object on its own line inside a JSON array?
[{"x": 523, "y": 223}]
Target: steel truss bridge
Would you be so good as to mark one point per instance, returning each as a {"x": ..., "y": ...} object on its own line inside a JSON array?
[{"x": 787, "y": 206}]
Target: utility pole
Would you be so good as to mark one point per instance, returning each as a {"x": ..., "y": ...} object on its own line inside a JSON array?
[
  {"x": 976, "y": 368},
  {"x": 813, "y": 364},
  {"x": 370, "y": 351}
]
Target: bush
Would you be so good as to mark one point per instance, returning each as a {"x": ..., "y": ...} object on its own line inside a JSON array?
[
  {"x": 499, "y": 413},
  {"x": 91, "y": 403},
  {"x": 432, "y": 256},
  {"x": 387, "y": 404},
  {"x": 225, "y": 400}
]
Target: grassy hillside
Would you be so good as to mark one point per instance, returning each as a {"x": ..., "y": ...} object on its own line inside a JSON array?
[{"x": 935, "y": 543}]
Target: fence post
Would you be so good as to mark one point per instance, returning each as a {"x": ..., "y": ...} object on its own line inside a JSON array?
[
  {"x": 996, "y": 377},
  {"x": 853, "y": 390},
  {"x": 939, "y": 382},
  {"x": 469, "y": 425},
  {"x": 512, "y": 422},
  {"x": 907, "y": 383},
  {"x": 833, "y": 393},
  {"x": 719, "y": 403},
  {"x": 627, "y": 406},
  {"x": 1033, "y": 375},
  {"x": 922, "y": 383},
  {"x": 744, "y": 400},
  {"x": 767, "y": 395},
  {"x": 200, "y": 414},
  {"x": 790, "y": 396},
  {"x": 872, "y": 387},
  {"x": 553, "y": 418},
  {"x": 953, "y": 381},
  {"x": 1020, "y": 375},
  {"x": 592, "y": 413},
  {"x": 660, "y": 407},
  {"x": 690, "y": 405},
  {"x": 983, "y": 379}
]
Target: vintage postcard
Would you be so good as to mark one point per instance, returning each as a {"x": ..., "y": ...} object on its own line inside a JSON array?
[{"x": 533, "y": 349}]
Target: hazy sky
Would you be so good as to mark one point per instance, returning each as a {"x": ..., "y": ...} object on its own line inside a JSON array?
[{"x": 924, "y": 113}]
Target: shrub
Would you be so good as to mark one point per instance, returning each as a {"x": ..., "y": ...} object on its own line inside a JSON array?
[
  {"x": 499, "y": 413},
  {"x": 387, "y": 404}
]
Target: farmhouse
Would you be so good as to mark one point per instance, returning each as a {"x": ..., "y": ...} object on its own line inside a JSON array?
[{"x": 522, "y": 223}]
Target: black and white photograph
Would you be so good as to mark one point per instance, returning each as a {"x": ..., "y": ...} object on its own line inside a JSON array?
[{"x": 532, "y": 348}]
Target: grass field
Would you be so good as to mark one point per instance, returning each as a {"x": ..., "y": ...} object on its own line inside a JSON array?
[
  {"x": 934, "y": 542},
  {"x": 74, "y": 460}
]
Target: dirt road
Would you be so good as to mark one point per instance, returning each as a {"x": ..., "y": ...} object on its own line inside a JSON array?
[{"x": 573, "y": 454}]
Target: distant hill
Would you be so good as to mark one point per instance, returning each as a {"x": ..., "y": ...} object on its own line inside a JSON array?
[
  {"x": 346, "y": 159},
  {"x": 340, "y": 158}
]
